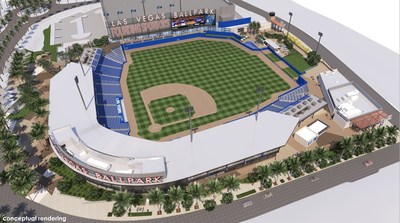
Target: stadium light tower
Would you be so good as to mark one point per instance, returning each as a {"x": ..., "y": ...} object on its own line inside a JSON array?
[
  {"x": 319, "y": 40},
  {"x": 79, "y": 89},
  {"x": 144, "y": 9},
  {"x": 132, "y": 11},
  {"x": 159, "y": 7},
  {"x": 170, "y": 6},
  {"x": 189, "y": 110},
  {"x": 259, "y": 90},
  {"x": 290, "y": 20}
]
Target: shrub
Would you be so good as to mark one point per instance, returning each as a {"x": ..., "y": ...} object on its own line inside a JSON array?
[
  {"x": 246, "y": 193},
  {"x": 313, "y": 58},
  {"x": 109, "y": 214},
  {"x": 108, "y": 195},
  {"x": 97, "y": 42},
  {"x": 187, "y": 202},
  {"x": 104, "y": 40},
  {"x": 137, "y": 214},
  {"x": 79, "y": 180},
  {"x": 138, "y": 199},
  {"x": 210, "y": 205},
  {"x": 309, "y": 168},
  {"x": 54, "y": 161},
  {"x": 296, "y": 173},
  {"x": 288, "y": 43},
  {"x": 95, "y": 194},
  {"x": 64, "y": 186},
  {"x": 267, "y": 183},
  {"x": 227, "y": 198}
]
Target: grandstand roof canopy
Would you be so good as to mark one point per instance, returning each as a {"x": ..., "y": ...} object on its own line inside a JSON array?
[{"x": 74, "y": 122}]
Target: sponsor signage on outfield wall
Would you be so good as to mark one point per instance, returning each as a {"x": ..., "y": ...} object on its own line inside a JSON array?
[
  {"x": 110, "y": 178},
  {"x": 159, "y": 22}
]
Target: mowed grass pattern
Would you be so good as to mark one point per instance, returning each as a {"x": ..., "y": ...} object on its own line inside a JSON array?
[
  {"x": 177, "y": 102},
  {"x": 229, "y": 74}
]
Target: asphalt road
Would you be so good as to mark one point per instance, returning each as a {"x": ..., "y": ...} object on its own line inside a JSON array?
[
  {"x": 15, "y": 205},
  {"x": 330, "y": 58},
  {"x": 298, "y": 189}
]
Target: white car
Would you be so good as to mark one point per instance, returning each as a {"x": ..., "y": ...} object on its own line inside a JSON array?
[
  {"x": 247, "y": 204},
  {"x": 368, "y": 163}
]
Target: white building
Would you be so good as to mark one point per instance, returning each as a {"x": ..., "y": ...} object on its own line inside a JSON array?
[
  {"x": 348, "y": 103},
  {"x": 309, "y": 134}
]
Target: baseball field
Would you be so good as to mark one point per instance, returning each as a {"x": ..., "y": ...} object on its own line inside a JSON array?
[{"x": 216, "y": 78}]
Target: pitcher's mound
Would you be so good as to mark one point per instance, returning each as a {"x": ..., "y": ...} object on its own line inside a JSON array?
[
  {"x": 155, "y": 128},
  {"x": 170, "y": 109}
]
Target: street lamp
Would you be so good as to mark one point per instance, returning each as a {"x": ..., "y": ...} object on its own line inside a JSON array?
[
  {"x": 144, "y": 9},
  {"x": 320, "y": 35},
  {"x": 259, "y": 90},
  {"x": 170, "y": 5},
  {"x": 190, "y": 110},
  {"x": 290, "y": 20}
]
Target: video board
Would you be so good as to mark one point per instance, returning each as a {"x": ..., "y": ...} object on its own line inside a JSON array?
[{"x": 192, "y": 21}]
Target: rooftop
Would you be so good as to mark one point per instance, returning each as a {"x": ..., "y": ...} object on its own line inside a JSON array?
[
  {"x": 74, "y": 123},
  {"x": 346, "y": 97}
]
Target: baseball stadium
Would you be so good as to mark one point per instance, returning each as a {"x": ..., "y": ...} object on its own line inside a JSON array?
[{"x": 169, "y": 104}]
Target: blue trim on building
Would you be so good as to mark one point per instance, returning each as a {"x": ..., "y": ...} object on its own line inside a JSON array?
[{"x": 236, "y": 22}]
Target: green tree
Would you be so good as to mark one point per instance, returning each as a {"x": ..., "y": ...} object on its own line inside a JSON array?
[
  {"x": 38, "y": 131},
  {"x": 307, "y": 159},
  {"x": 122, "y": 201},
  {"x": 214, "y": 187},
  {"x": 263, "y": 173},
  {"x": 345, "y": 145},
  {"x": 231, "y": 183},
  {"x": 392, "y": 133},
  {"x": 168, "y": 205},
  {"x": 277, "y": 168},
  {"x": 12, "y": 156},
  {"x": 380, "y": 134},
  {"x": 156, "y": 197},
  {"x": 23, "y": 182},
  {"x": 210, "y": 205},
  {"x": 313, "y": 58},
  {"x": 321, "y": 156},
  {"x": 176, "y": 195},
  {"x": 227, "y": 198},
  {"x": 294, "y": 166},
  {"x": 197, "y": 191},
  {"x": 187, "y": 201},
  {"x": 360, "y": 142}
]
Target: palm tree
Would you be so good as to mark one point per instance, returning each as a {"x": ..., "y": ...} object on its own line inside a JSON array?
[
  {"x": 176, "y": 195},
  {"x": 263, "y": 173},
  {"x": 393, "y": 133},
  {"x": 122, "y": 201},
  {"x": 307, "y": 158},
  {"x": 10, "y": 144},
  {"x": 215, "y": 187},
  {"x": 231, "y": 183},
  {"x": 346, "y": 145},
  {"x": 12, "y": 156},
  {"x": 156, "y": 197},
  {"x": 321, "y": 156},
  {"x": 41, "y": 112},
  {"x": 196, "y": 191},
  {"x": 371, "y": 141},
  {"x": 380, "y": 134},
  {"x": 24, "y": 182},
  {"x": 38, "y": 131},
  {"x": 15, "y": 170},
  {"x": 293, "y": 165},
  {"x": 277, "y": 168},
  {"x": 359, "y": 143}
]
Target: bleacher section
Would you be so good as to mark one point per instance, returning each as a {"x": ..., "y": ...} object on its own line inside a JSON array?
[
  {"x": 295, "y": 94},
  {"x": 287, "y": 99},
  {"x": 106, "y": 78}
]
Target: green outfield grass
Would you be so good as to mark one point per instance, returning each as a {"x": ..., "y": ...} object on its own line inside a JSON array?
[
  {"x": 273, "y": 57},
  {"x": 297, "y": 60},
  {"x": 291, "y": 72},
  {"x": 227, "y": 73},
  {"x": 159, "y": 107}
]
